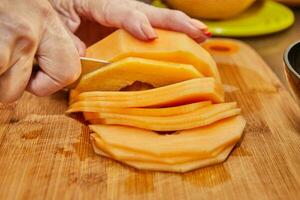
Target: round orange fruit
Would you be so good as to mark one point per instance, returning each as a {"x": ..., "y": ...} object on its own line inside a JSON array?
[{"x": 211, "y": 9}]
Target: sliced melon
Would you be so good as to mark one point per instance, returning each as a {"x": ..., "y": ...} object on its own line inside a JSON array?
[
  {"x": 169, "y": 46},
  {"x": 201, "y": 117},
  {"x": 168, "y": 111},
  {"x": 183, "y": 167},
  {"x": 203, "y": 140},
  {"x": 142, "y": 123},
  {"x": 124, "y": 154},
  {"x": 190, "y": 91},
  {"x": 125, "y": 72},
  {"x": 180, "y": 168}
]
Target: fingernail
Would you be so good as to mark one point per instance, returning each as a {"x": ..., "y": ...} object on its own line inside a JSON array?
[
  {"x": 149, "y": 32},
  {"x": 193, "y": 31},
  {"x": 207, "y": 33}
]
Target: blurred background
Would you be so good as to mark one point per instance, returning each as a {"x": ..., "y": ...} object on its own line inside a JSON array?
[{"x": 268, "y": 26}]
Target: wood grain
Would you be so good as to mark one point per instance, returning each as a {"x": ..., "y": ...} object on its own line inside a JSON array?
[{"x": 47, "y": 155}]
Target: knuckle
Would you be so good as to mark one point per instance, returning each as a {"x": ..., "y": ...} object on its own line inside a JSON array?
[
  {"x": 177, "y": 14},
  {"x": 46, "y": 11},
  {"x": 133, "y": 14},
  {"x": 72, "y": 73},
  {"x": 9, "y": 97},
  {"x": 23, "y": 27},
  {"x": 22, "y": 32},
  {"x": 27, "y": 42},
  {"x": 4, "y": 61},
  {"x": 25, "y": 30},
  {"x": 139, "y": 5}
]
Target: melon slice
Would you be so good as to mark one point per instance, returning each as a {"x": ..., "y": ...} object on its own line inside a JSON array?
[
  {"x": 125, "y": 72},
  {"x": 183, "y": 167},
  {"x": 142, "y": 123},
  {"x": 192, "y": 142},
  {"x": 168, "y": 111},
  {"x": 169, "y": 46},
  {"x": 190, "y": 91},
  {"x": 180, "y": 168},
  {"x": 124, "y": 154},
  {"x": 201, "y": 117}
]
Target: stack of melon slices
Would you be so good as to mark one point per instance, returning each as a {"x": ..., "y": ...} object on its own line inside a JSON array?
[{"x": 159, "y": 105}]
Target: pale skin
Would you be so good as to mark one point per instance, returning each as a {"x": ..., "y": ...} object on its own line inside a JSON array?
[{"x": 44, "y": 29}]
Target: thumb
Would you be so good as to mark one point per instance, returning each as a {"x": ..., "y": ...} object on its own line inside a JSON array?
[
  {"x": 79, "y": 44},
  {"x": 58, "y": 59}
]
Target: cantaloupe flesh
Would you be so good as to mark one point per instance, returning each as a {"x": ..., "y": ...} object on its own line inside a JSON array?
[
  {"x": 184, "y": 167},
  {"x": 204, "y": 109},
  {"x": 169, "y": 46},
  {"x": 136, "y": 86},
  {"x": 211, "y": 9},
  {"x": 125, "y": 72},
  {"x": 169, "y": 111},
  {"x": 124, "y": 154},
  {"x": 179, "y": 168},
  {"x": 140, "y": 122},
  {"x": 205, "y": 83},
  {"x": 87, "y": 66},
  {"x": 203, "y": 140},
  {"x": 195, "y": 90},
  {"x": 200, "y": 117}
]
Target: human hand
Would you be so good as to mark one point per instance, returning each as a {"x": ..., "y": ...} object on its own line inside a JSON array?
[
  {"x": 32, "y": 29},
  {"x": 136, "y": 17}
]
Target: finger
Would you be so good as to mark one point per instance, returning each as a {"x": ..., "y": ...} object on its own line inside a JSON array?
[
  {"x": 71, "y": 24},
  {"x": 174, "y": 20},
  {"x": 6, "y": 45},
  {"x": 58, "y": 59},
  {"x": 204, "y": 28},
  {"x": 67, "y": 13},
  {"x": 138, "y": 25},
  {"x": 80, "y": 46},
  {"x": 41, "y": 84},
  {"x": 4, "y": 56},
  {"x": 133, "y": 21},
  {"x": 13, "y": 82},
  {"x": 200, "y": 25}
]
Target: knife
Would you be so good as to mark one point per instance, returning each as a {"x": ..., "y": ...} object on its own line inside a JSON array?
[
  {"x": 91, "y": 64},
  {"x": 87, "y": 64}
]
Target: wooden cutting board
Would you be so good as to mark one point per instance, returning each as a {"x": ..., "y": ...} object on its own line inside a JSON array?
[{"x": 47, "y": 155}]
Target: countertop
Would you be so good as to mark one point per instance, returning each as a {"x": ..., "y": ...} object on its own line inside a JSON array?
[
  {"x": 45, "y": 154},
  {"x": 272, "y": 47}
]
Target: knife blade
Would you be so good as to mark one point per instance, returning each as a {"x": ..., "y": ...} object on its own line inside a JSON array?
[
  {"x": 88, "y": 65},
  {"x": 85, "y": 63}
]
